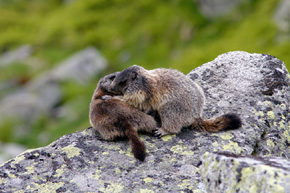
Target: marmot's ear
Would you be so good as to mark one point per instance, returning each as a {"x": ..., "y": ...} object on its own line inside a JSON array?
[{"x": 134, "y": 75}]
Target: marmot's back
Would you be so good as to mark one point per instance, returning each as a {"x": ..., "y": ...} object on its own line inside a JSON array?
[{"x": 179, "y": 89}]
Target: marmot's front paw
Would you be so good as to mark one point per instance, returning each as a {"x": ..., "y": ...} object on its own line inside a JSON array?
[
  {"x": 160, "y": 132},
  {"x": 106, "y": 97}
]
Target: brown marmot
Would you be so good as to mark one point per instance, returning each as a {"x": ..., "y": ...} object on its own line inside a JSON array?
[
  {"x": 113, "y": 118},
  {"x": 178, "y": 100}
]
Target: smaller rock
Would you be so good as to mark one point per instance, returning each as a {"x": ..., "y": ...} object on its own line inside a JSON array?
[
  {"x": 216, "y": 8},
  {"x": 16, "y": 55},
  {"x": 224, "y": 172},
  {"x": 282, "y": 16},
  {"x": 80, "y": 67}
]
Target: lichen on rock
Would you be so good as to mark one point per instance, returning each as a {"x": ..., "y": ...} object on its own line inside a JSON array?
[{"x": 223, "y": 172}]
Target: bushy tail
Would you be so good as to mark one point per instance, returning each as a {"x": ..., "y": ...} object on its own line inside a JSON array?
[
  {"x": 222, "y": 123},
  {"x": 137, "y": 146}
]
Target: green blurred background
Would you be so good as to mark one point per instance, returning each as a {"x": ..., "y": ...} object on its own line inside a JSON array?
[{"x": 172, "y": 34}]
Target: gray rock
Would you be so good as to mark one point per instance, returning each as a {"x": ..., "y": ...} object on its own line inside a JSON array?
[
  {"x": 81, "y": 67},
  {"x": 216, "y": 8},
  {"x": 222, "y": 172},
  {"x": 16, "y": 55},
  {"x": 255, "y": 86},
  {"x": 43, "y": 93},
  {"x": 282, "y": 16},
  {"x": 32, "y": 100}
]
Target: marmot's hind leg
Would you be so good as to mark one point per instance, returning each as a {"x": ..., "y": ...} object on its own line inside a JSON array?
[{"x": 171, "y": 124}]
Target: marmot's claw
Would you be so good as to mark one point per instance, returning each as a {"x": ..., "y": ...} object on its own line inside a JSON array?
[{"x": 157, "y": 133}]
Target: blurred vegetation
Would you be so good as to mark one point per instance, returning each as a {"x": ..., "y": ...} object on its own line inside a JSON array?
[{"x": 146, "y": 32}]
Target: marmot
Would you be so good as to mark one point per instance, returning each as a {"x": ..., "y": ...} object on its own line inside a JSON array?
[
  {"x": 178, "y": 100},
  {"x": 113, "y": 118}
]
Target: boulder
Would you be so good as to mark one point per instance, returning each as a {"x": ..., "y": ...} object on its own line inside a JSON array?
[
  {"x": 17, "y": 55},
  {"x": 81, "y": 67},
  {"x": 255, "y": 86},
  {"x": 224, "y": 172}
]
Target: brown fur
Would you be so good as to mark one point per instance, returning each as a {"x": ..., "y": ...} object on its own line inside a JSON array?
[{"x": 113, "y": 118}]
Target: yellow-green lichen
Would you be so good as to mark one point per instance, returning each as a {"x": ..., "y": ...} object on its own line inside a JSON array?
[
  {"x": 150, "y": 145},
  {"x": 187, "y": 153},
  {"x": 268, "y": 103},
  {"x": 58, "y": 172},
  {"x": 30, "y": 169},
  {"x": 251, "y": 186},
  {"x": 271, "y": 115},
  {"x": 232, "y": 146},
  {"x": 129, "y": 153},
  {"x": 148, "y": 180},
  {"x": 268, "y": 181},
  {"x": 71, "y": 151},
  {"x": 185, "y": 184},
  {"x": 270, "y": 143},
  {"x": 18, "y": 159},
  {"x": 167, "y": 137},
  {"x": 260, "y": 113},
  {"x": 47, "y": 187},
  {"x": 86, "y": 132},
  {"x": 96, "y": 175},
  {"x": 205, "y": 156},
  {"x": 146, "y": 191},
  {"x": 226, "y": 136},
  {"x": 283, "y": 106},
  {"x": 122, "y": 152},
  {"x": 179, "y": 149},
  {"x": 286, "y": 135},
  {"x": 113, "y": 188},
  {"x": 113, "y": 147},
  {"x": 215, "y": 144},
  {"x": 118, "y": 171},
  {"x": 19, "y": 191},
  {"x": 105, "y": 153}
]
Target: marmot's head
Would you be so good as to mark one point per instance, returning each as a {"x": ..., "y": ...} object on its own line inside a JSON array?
[
  {"x": 104, "y": 84},
  {"x": 131, "y": 80},
  {"x": 106, "y": 81}
]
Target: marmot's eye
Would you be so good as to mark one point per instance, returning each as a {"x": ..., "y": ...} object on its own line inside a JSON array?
[{"x": 112, "y": 77}]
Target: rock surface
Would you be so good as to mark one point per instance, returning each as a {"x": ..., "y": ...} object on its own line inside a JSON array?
[
  {"x": 222, "y": 172},
  {"x": 255, "y": 86}
]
